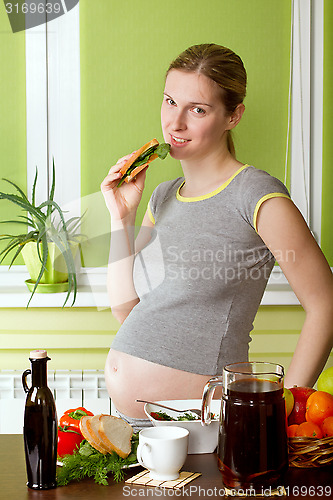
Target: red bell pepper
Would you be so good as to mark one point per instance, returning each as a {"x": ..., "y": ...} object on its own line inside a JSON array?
[
  {"x": 68, "y": 441},
  {"x": 71, "y": 418}
]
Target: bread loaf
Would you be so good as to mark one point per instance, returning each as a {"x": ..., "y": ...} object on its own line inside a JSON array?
[
  {"x": 92, "y": 426},
  {"x": 88, "y": 436},
  {"x": 116, "y": 434},
  {"x": 107, "y": 434}
]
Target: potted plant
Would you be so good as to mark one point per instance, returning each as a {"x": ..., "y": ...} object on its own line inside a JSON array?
[{"x": 48, "y": 245}]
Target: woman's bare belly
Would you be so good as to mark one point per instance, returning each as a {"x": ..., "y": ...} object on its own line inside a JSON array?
[{"x": 129, "y": 378}]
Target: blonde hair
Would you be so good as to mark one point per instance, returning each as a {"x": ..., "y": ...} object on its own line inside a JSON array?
[{"x": 221, "y": 65}]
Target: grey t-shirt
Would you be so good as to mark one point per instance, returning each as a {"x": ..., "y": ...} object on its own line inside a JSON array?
[{"x": 201, "y": 278}]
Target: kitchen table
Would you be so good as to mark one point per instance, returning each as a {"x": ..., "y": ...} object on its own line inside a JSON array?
[{"x": 299, "y": 483}]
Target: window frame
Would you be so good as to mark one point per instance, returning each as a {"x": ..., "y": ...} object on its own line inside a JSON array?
[{"x": 53, "y": 131}]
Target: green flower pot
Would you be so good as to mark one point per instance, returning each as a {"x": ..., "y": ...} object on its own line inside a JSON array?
[{"x": 55, "y": 272}]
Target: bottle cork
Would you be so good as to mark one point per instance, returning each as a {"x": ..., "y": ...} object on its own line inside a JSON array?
[{"x": 38, "y": 354}]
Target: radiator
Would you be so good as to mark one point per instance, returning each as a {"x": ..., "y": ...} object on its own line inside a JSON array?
[{"x": 71, "y": 388}]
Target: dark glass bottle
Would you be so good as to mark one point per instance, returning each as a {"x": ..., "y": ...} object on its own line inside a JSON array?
[{"x": 40, "y": 429}]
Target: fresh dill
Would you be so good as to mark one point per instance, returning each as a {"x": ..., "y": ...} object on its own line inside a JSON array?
[{"x": 88, "y": 462}]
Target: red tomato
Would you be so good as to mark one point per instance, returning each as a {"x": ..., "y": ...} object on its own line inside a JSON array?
[
  {"x": 160, "y": 415},
  {"x": 68, "y": 441}
]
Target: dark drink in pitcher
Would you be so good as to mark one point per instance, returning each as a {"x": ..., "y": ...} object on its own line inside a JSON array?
[{"x": 253, "y": 452}]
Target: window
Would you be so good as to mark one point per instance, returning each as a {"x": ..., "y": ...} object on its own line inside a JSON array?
[{"x": 63, "y": 85}]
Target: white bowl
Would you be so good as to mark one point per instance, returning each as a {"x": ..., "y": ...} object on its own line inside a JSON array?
[{"x": 202, "y": 439}]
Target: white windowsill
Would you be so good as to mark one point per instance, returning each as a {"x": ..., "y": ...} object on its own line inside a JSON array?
[{"x": 92, "y": 290}]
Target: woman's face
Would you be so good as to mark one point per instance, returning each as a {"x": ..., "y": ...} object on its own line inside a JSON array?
[{"x": 193, "y": 117}]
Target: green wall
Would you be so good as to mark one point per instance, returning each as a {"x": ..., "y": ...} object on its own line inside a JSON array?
[
  {"x": 13, "y": 163},
  {"x": 126, "y": 47},
  {"x": 327, "y": 206},
  {"x": 79, "y": 339}
]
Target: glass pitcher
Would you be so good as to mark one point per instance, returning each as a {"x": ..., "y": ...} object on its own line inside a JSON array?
[{"x": 252, "y": 450}]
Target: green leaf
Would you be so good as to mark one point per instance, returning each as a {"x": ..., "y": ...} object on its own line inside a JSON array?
[
  {"x": 45, "y": 252},
  {"x": 73, "y": 223},
  {"x": 26, "y": 205},
  {"x": 14, "y": 222},
  {"x": 162, "y": 150},
  {"x": 11, "y": 245},
  {"x": 34, "y": 188},
  {"x": 188, "y": 416},
  {"x": 24, "y": 197},
  {"x": 122, "y": 180},
  {"x": 145, "y": 155},
  {"x": 17, "y": 253},
  {"x": 51, "y": 196},
  {"x": 86, "y": 449}
]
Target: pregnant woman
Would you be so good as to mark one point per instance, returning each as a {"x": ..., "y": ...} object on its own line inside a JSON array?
[{"x": 187, "y": 290}]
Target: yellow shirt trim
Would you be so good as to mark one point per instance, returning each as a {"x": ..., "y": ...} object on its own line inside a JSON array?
[
  {"x": 150, "y": 215},
  {"x": 208, "y": 195},
  {"x": 261, "y": 201}
]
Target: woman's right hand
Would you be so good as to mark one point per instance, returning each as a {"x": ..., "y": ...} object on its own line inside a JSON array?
[{"x": 123, "y": 201}]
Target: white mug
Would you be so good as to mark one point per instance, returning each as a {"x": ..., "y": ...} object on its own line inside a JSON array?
[{"x": 163, "y": 450}]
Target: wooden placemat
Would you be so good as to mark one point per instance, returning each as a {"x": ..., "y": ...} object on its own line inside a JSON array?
[{"x": 143, "y": 479}]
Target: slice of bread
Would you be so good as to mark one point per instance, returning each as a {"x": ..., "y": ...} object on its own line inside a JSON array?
[
  {"x": 92, "y": 427},
  {"x": 88, "y": 436},
  {"x": 116, "y": 434}
]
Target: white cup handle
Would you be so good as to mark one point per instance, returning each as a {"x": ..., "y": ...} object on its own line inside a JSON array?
[{"x": 139, "y": 455}]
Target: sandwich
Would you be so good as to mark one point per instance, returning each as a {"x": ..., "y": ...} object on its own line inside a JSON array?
[{"x": 141, "y": 159}]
